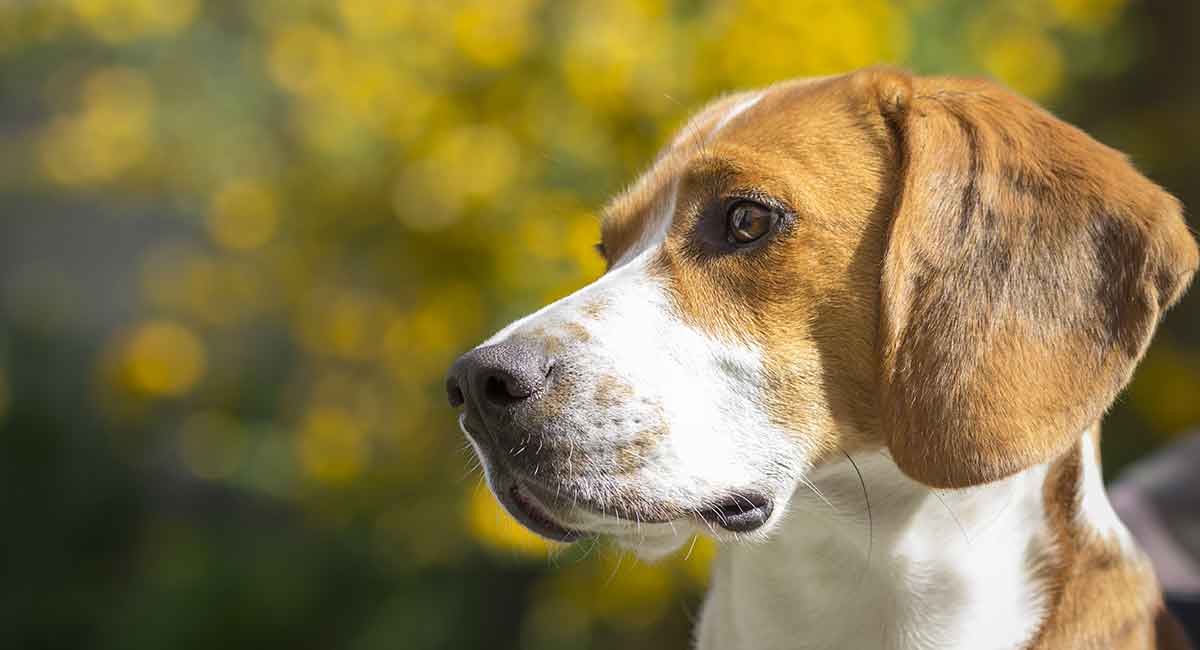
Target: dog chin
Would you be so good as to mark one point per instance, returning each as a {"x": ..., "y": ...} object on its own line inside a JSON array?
[{"x": 652, "y": 546}]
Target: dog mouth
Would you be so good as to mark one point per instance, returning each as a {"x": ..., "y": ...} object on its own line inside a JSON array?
[
  {"x": 536, "y": 517},
  {"x": 740, "y": 513}
]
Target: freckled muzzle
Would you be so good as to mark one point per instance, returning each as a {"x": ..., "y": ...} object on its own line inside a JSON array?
[
  {"x": 540, "y": 406},
  {"x": 604, "y": 412}
]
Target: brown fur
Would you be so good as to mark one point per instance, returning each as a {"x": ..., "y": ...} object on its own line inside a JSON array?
[
  {"x": 1026, "y": 270},
  {"x": 1099, "y": 596},
  {"x": 967, "y": 281}
]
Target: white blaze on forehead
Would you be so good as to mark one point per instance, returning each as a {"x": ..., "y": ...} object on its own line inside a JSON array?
[
  {"x": 666, "y": 171},
  {"x": 652, "y": 236},
  {"x": 738, "y": 109},
  {"x": 654, "y": 232},
  {"x": 714, "y": 118}
]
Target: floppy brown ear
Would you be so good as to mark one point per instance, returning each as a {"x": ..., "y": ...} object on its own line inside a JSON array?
[{"x": 1026, "y": 268}]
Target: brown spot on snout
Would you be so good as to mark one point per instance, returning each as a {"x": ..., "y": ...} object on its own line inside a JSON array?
[
  {"x": 636, "y": 453},
  {"x": 594, "y": 308},
  {"x": 577, "y": 333},
  {"x": 552, "y": 345},
  {"x": 612, "y": 392}
]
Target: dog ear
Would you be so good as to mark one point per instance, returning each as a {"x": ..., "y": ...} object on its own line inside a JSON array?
[{"x": 1025, "y": 270}]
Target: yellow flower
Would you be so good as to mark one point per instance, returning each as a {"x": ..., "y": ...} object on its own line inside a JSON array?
[
  {"x": 333, "y": 447},
  {"x": 243, "y": 214},
  {"x": 303, "y": 58},
  {"x": 109, "y": 135},
  {"x": 1165, "y": 387},
  {"x": 491, "y": 524},
  {"x": 764, "y": 42},
  {"x": 494, "y": 34},
  {"x": 120, "y": 21},
  {"x": 373, "y": 18},
  {"x": 697, "y": 559},
  {"x": 1088, "y": 14},
  {"x": 163, "y": 359},
  {"x": 465, "y": 166},
  {"x": 1026, "y": 60}
]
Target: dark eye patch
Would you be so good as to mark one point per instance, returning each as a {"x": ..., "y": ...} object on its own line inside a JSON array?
[{"x": 711, "y": 234}]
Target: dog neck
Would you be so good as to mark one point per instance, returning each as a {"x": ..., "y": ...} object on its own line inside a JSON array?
[{"x": 916, "y": 568}]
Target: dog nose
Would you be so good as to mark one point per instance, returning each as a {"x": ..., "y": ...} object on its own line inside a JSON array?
[{"x": 497, "y": 377}]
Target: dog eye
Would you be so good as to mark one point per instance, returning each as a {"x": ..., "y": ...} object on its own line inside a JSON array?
[{"x": 749, "y": 221}]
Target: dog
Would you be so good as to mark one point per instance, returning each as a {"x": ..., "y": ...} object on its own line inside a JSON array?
[{"x": 860, "y": 329}]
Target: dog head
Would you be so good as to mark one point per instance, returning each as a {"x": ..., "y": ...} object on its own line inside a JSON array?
[{"x": 934, "y": 267}]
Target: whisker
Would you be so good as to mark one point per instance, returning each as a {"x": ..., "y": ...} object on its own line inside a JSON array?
[
  {"x": 738, "y": 495},
  {"x": 813, "y": 486},
  {"x": 586, "y": 553},
  {"x": 870, "y": 517},
  {"x": 620, "y": 558},
  {"x": 474, "y": 466},
  {"x": 953, "y": 516}
]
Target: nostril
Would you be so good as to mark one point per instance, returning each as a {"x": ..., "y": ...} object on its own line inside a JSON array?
[
  {"x": 500, "y": 389},
  {"x": 454, "y": 393},
  {"x": 495, "y": 378}
]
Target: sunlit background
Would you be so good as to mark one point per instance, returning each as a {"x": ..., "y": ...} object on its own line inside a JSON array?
[{"x": 241, "y": 242}]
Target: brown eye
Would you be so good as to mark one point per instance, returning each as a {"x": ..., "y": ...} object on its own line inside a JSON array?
[{"x": 749, "y": 221}]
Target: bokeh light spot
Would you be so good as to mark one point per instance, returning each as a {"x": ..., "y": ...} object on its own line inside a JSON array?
[
  {"x": 493, "y": 34},
  {"x": 1088, "y": 14},
  {"x": 1165, "y": 387},
  {"x": 243, "y": 215},
  {"x": 120, "y": 21},
  {"x": 491, "y": 524},
  {"x": 333, "y": 447},
  {"x": 110, "y": 134},
  {"x": 164, "y": 359},
  {"x": 1028, "y": 61},
  {"x": 212, "y": 445}
]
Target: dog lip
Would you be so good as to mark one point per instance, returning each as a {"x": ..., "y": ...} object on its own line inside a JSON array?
[
  {"x": 740, "y": 513},
  {"x": 535, "y": 517},
  {"x": 543, "y": 494},
  {"x": 518, "y": 501}
]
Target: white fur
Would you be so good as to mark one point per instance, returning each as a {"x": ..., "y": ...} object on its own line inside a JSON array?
[
  {"x": 1095, "y": 510},
  {"x": 704, "y": 392},
  {"x": 738, "y": 109},
  {"x": 927, "y": 570}
]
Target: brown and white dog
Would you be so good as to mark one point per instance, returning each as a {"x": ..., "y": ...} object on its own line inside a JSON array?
[{"x": 862, "y": 330}]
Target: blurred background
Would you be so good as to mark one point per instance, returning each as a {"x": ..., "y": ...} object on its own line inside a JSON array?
[{"x": 241, "y": 241}]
